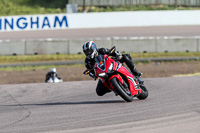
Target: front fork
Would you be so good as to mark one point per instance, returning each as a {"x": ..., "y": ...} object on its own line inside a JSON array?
[
  {"x": 115, "y": 76},
  {"x": 134, "y": 89},
  {"x": 139, "y": 83}
]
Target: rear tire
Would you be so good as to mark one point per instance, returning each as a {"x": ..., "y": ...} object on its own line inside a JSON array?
[
  {"x": 144, "y": 93},
  {"x": 127, "y": 96}
]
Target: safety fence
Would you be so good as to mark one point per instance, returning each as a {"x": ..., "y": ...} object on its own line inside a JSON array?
[{"x": 134, "y": 2}]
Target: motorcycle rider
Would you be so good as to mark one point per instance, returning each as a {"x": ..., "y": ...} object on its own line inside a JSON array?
[
  {"x": 52, "y": 72},
  {"x": 91, "y": 51}
]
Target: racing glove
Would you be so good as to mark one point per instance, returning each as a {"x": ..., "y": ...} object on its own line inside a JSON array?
[{"x": 91, "y": 74}]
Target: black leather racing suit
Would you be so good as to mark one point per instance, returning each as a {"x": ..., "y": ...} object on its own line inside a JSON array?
[{"x": 89, "y": 64}]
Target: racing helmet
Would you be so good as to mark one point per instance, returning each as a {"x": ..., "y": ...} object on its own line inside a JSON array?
[
  {"x": 90, "y": 49},
  {"x": 53, "y": 70}
]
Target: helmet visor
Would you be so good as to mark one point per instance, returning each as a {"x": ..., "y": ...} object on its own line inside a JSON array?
[{"x": 88, "y": 52}]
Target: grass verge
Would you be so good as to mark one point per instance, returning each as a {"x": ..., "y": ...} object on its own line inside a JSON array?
[
  {"x": 186, "y": 75},
  {"x": 28, "y": 7},
  {"x": 34, "y": 68},
  {"x": 67, "y": 57},
  {"x": 39, "y": 58},
  {"x": 138, "y": 8}
]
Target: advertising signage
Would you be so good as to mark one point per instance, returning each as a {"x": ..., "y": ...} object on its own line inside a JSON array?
[{"x": 33, "y": 22}]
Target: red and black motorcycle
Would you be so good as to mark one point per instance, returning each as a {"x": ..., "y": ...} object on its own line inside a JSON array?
[{"x": 118, "y": 78}]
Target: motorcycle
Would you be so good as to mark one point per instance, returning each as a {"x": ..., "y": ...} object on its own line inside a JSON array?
[
  {"x": 54, "y": 79},
  {"x": 116, "y": 77}
]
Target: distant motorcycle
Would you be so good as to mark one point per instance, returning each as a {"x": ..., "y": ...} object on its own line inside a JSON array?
[
  {"x": 118, "y": 78},
  {"x": 54, "y": 79}
]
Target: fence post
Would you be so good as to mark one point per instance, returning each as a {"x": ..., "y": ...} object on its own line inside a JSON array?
[
  {"x": 84, "y": 9},
  {"x": 175, "y": 5}
]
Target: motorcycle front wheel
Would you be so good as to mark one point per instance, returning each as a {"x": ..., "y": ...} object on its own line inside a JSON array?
[
  {"x": 121, "y": 90},
  {"x": 144, "y": 94}
]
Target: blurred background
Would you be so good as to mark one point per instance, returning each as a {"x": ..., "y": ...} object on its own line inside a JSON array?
[
  {"x": 163, "y": 50},
  {"x": 27, "y": 7}
]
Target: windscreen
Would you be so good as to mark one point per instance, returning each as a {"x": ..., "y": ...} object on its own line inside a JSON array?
[{"x": 100, "y": 61}]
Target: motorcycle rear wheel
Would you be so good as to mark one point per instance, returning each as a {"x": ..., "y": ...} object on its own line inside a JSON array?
[{"x": 127, "y": 96}]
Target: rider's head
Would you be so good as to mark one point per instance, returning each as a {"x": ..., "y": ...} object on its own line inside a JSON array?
[
  {"x": 90, "y": 49},
  {"x": 52, "y": 70}
]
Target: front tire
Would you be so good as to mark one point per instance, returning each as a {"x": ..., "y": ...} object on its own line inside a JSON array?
[
  {"x": 144, "y": 93},
  {"x": 127, "y": 96}
]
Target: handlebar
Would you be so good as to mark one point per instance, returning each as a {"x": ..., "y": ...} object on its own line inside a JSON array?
[
  {"x": 88, "y": 71},
  {"x": 111, "y": 50}
]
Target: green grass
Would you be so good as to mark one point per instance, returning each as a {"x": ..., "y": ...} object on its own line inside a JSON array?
[
  {"x": 28, "y": 7},
  {"x": 187, "y": 75},
  {"x": 163, "y": 55},
  {"x": 138, "y": 8},
  {"x": 39, "y": 58},
  {"x": 66, "y": 57},
  {"x": 35, "y": 68}
]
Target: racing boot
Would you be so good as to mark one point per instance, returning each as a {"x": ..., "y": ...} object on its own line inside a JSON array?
[{"x": 137, "y": 75}]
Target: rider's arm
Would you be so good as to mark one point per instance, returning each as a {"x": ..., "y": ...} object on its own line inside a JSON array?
[
  {"x": 106, "y": 51},
  {"x": 58, "y": 76},
  {"x": 89, "y": 64},
  {"x": 103, "y": 51}
]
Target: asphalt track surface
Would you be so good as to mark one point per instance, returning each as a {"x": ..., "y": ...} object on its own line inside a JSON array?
[
  {"x": 156, "y": 31},
  {"x": 173, "y": 106}
]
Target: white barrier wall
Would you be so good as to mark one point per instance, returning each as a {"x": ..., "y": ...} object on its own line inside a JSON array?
[
  {"x": 75, "y": 46},
  {"x": 47, "y": 46},
  {"x": 174, "y": 44},
  {"x": 134, "y": 18},
  {"x": 135, "y": 45},
  {"x": 12, "y": 47},
  {"x": 99, "y": 20},
  {"x": 127, "y": 45}
]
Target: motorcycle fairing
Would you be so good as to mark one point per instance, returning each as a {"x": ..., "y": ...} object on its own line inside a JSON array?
[{"x": 119, "y": 70}]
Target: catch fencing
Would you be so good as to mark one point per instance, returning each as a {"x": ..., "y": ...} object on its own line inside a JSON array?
[{"x": 134, "y": 2}]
